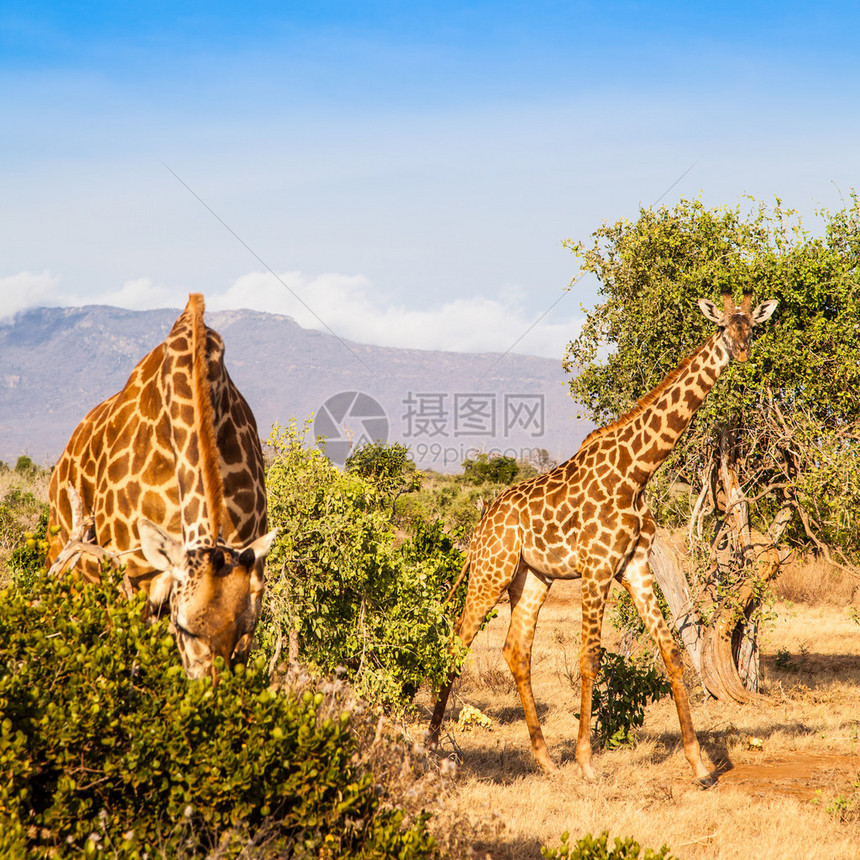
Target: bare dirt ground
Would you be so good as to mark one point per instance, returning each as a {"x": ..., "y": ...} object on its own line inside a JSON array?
[{"x": 789, "y": 765}]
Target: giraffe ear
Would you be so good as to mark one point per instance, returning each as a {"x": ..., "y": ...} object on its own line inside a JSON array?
[
  {"x": 254, "y": 551},
  {"x": 161, "y": 549},
  {"x": 711, "y": 311},
  {"x": 159, "y": 590},
  {"x": 764, "y": 311},
  {"x": 263, "y": 544}
]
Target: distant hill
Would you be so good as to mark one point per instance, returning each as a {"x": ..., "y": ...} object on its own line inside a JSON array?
[{"x": 57, "y": 363}]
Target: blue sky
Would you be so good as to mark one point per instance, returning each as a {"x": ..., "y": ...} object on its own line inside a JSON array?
[{"x": 408, "y": 169}]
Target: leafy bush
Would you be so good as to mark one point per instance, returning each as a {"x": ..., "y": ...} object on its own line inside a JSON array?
[
  {"x": 589, "y": 848},
  {"x": 20, "y": 511},
  {"x": 448, "y": 499},
  {"x": 28, "y": 558},
  {"x": 357, "y": 593},
  {"x": 486, "y": 469},
  {"x": 388, "y": 468},
  {"x": 106, "y": 748},
  {"x": 23, "y": 527},
  {"x": 622, "y": 689},
  {"x": 25, "y": 466}
]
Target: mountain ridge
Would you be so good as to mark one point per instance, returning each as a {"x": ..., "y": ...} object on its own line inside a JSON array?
[{"x": 57, "y": 363}]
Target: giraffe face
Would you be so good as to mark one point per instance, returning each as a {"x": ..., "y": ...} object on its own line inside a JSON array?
[
  {"x": 214, "y": 593},
  {"x": 737, "y": 336},
  {"x": 738, "y": 323}
]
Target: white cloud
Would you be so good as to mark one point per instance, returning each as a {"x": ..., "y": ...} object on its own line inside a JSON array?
[
  {"x": 26, "y": 290},
  {"x": 140, "y": 294},
  {"x": 344, "y": 304}
]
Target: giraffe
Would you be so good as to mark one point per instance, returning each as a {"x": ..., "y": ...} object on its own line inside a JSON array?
[
  {"x": 588, "y": 519},
  {"x": 170, "y": 472}
]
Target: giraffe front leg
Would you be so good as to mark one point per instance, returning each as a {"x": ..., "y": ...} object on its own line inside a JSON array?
[
  {"x": 594, "y": 591},
  {"x": 528, "y": 592},
  {"x": 638, "y": 581}
]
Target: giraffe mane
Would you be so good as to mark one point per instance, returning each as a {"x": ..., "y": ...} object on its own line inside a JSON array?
[
  {"x": 213, "y": 485},
  {"x": 647, "y": 399}
]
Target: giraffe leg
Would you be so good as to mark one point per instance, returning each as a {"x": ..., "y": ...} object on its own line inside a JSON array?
[
  {"x": 638, "y": 581},
  {"x": 528, "y": 592},
  {"x": 594, "y": 591},
  {"x": 480, "y": 599}
]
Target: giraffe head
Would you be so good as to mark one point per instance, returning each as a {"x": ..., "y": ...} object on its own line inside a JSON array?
[
  {"x": 737, "y": 322},
  {"x": 214, "y": 593}
]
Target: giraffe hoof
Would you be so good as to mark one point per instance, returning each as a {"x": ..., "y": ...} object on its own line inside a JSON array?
[
  {"x": 548, "y": 767},
  {"x": 709, "y": 780},
  {"x": 587, "y": 771}
]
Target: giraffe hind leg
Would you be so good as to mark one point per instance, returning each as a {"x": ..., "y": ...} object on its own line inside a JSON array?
[
  {"x": 594, "y": 593},
  {"x": 478, "y": 604},
  {"x": 528, "y": 592}
]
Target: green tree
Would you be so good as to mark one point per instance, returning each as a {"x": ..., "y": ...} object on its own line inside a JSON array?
[
  {"x": 771, "y": 459},
  {"x": 25, "y": 466},
  {"x": 486, "y": 469},
  {"x": 388, "y": 467}
]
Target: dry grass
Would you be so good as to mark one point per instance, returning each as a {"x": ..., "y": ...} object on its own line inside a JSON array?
[
  {"x": 36, "y": 484},
  {"x": 19, "y": 516},
  {"x": 815, "y": 581},
  {"x": 791, "y": 798}
]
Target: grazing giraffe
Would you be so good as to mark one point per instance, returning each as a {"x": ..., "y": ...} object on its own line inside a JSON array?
[
  {"x": 170, "y": 473},
  {"x": 588, "y": 518}
]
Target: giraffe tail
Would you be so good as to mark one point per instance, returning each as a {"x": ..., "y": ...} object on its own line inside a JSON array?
[{"x": 460, "y": 578}]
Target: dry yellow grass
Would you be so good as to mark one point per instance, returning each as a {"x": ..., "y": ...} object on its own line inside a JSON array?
[
  {"x": 816, "y": 581},
  {"x": 16, "y": 517},
  {"x": 771, "y": 802}
]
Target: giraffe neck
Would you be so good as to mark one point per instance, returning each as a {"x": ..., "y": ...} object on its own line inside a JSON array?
[
  {"x": 666, "y": 412},
  {"x": 646, "y": 435},
  {"x": 189, "y": 402}
]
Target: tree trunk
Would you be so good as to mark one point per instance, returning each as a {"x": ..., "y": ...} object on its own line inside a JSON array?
[
  {"x": 731, "y": 646},
  {"x": 725, "y": 654},
  {"x": 743, "y": 562},
  {"x": 668, "y": 572},
  {"x": 747, "y": 659},
  {"x": 710, "y": 649}
]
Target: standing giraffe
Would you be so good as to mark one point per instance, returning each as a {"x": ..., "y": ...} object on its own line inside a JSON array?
[
  {"x": 170, "y": 474},
  {"x": 588, "y": 518}
]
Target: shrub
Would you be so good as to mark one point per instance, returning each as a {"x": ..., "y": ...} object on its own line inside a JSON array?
[
  {"x": 357, "y": 593},
  {"x": 28, "y": 558},
  {"x": 589, "y": 848},
  {"x": 106, "y": 748},
  {"x": 447, "y": 499},
  {"x": 387, "y": 468},
  {"x": 486, "y": 469},
  {"x": 26, "y": 467},
  {"x": 20, "y": 511},
  {"x": 622, "y": 689},
  {"x": 23, "y": 519}
]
